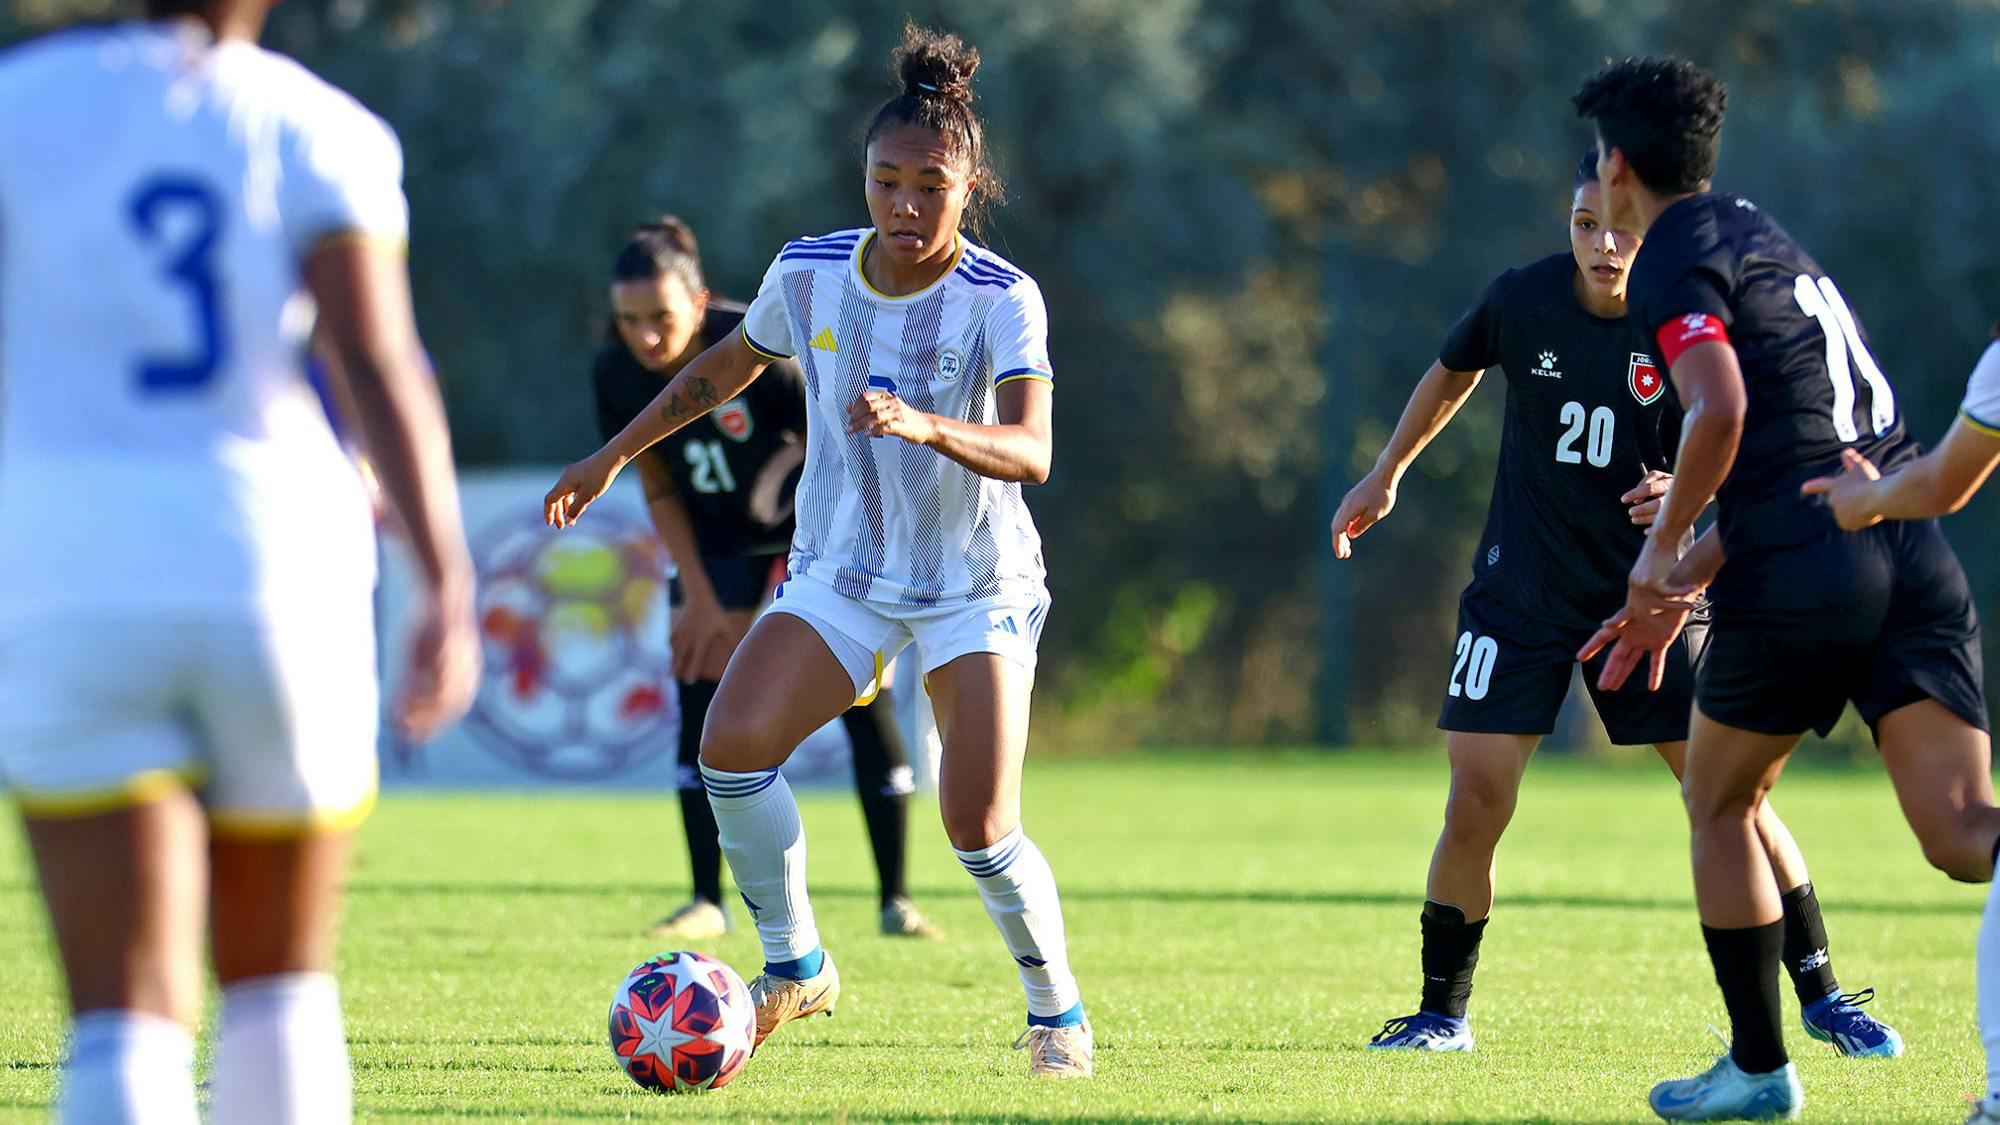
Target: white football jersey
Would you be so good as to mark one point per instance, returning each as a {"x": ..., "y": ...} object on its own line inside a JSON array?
[
  {"x": 1981, "y": 408},
  {"x": 880, "y": 518},
  {"x": 160, "y": 447}
]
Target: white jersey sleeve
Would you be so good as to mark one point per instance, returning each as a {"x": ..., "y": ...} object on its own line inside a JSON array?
[
  {"x": 1017, "y": 329},
  {"x": 342, "y": 174},
  {"x": 767, "y": 326},
  {"x": 1981, "y": 408}
]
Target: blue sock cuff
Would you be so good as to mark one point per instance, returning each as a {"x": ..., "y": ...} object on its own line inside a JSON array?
[
  {"x": 994, "y": 859},
  {"x": 1067, "y": 1019},
  {"x": 722, "y": 783},
  {"x": 801, "y": 969}
]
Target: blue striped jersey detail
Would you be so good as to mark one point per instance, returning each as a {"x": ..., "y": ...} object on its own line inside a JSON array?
[
  {"x": 987, "y": 266},
  {"x": 975, "y": 279}
]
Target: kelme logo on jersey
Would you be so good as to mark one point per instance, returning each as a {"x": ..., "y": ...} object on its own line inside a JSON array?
[
  {"x": 733, "y": 419},
  {"x": 1545, "y": 366},
  {"x": 950, "y": 365},
  {"x": 1643, "y": 376}
]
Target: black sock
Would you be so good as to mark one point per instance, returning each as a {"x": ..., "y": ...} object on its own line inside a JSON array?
[
  {"x": 1451, "y": 952},
  {"x": 1806, "y": 956},
  {"x": 697, "y": 819},
  {"x": 1746, "y": 966},
  {"x": 882, "y": 781}
]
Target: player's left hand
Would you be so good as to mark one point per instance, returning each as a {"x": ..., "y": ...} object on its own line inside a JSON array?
[
  {"x": 1850, "y": 495},
  {"x": 1644, "y": 500},
  {"x": 881, "y": 414}
]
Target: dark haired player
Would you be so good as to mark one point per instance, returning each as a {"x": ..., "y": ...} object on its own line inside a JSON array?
[
  {"x": 927, "y": 363},
  {"x": 1779, "y": 387},
  {"x": 720, "y": 493},
  {"x": 1586, "y": 411}
]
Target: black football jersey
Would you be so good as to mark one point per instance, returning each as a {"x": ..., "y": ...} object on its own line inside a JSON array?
[
  {"x": 736, "y": 468},
  {"x": 1812, "y": 386},
  {"x": 1588, "y": 414}
]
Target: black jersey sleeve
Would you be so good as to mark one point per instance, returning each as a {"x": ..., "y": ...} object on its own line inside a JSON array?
[
  {"x": 1473, "y": 344},
  {"x": 1690, "y": 275}
]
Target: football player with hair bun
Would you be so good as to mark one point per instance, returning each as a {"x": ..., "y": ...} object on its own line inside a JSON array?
[
  {"x": 1585, "y": 446},
  {"x": 926, "y": 363},
  {"x": 720, "y": 493}
]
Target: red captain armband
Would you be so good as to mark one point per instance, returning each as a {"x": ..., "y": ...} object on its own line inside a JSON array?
[{"x": 1683, "y": 332}]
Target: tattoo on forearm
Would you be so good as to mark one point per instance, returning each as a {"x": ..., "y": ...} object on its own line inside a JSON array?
[{"x": 691, "y": 399}]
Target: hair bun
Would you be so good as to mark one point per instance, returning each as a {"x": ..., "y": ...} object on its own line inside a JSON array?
[
  {"x": 670, "y": 229},
  {"x": 934, "y": 64}
]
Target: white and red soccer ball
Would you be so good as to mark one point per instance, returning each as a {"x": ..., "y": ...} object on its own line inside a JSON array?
[{"x": 682, "y": 1021}]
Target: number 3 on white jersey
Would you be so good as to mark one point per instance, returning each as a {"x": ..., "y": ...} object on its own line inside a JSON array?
[{"x": 1846, "y": 354}]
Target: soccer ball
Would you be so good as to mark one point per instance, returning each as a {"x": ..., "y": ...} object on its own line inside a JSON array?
[{"x": 682, "y": 1021}]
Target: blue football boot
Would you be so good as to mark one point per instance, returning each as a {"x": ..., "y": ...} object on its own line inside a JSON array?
[
  {"x": 1425, "y": 1031},
  {"x": 1837, "y": 1018},
  {"x": 1724, "y": 1092}
]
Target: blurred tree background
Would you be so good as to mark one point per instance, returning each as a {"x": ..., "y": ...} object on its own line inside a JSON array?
[{"x": 1253, "y": 219}]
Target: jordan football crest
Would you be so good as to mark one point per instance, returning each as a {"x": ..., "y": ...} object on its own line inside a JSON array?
[
  {"x": 1645, "y": 380},
  {"x": 733, "y": 419}
]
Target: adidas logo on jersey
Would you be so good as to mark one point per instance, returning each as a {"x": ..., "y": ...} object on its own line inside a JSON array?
[{"x": 825, "y": 341}]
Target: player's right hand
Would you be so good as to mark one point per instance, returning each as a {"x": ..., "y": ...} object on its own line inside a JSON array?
[
  {"x": 1851, "y": 494},
  {"x": 579, "y": 485},
  {"x": 1657, "y": 605},
  {"x": 704, "y": 637},
  {"x": 441, "y": 674},
  {"x": 1364, "y": 506}
]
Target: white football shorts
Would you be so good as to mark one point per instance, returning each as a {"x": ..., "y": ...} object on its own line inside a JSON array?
[
  {"x": 867, "y": 635},
  {"x": 270, "y": 717}
]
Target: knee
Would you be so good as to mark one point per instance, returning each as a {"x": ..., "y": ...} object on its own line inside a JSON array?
[
  {"x": 1710, "y": 804},
  {"x": 1957, "y": 849},
  {"x": 974, "y": 825},
  {"x": 1480, "y": 805},
  {"x": 740, "y": 744}
]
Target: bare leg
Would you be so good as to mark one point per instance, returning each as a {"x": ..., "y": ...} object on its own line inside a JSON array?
[
  {"x": 282, "y": 1051},
  {"x": 1486, "y": 774},
  {"x": 782, "y": 684},
  {"x": 1940, "y": 765},
  {"x": 982, "y": 705},
  {"x": 124, "y": 891},
  {"x": 1788, "y": 864}
]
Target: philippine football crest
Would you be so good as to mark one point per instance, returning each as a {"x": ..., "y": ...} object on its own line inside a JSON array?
[
  {"x": 1643, "y": 376},
  {"x": 733, "y": 419},
  {"x": 950, "y": 365}
]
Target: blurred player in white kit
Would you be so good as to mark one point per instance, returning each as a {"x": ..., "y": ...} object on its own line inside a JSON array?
[{"x": 188, "y": 693}]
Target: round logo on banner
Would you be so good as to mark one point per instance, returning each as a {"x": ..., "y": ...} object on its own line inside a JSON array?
[{"x": 570, "y": 690}]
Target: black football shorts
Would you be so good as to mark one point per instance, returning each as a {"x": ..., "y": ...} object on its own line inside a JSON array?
[
  {"x": 1881, "y": 618},
  {"x": 1510, "y": 673},
  {"x": 740, "y": 581}
]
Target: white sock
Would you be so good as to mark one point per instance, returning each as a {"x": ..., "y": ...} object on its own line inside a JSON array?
[
  {"x": 1019, "y": 890},
  {"x": 1988, "y": 973},
  {"x": 757, "y": 819},
  {"x": 281, "y": 1057},
  {"x": 127, "y": 1068}
]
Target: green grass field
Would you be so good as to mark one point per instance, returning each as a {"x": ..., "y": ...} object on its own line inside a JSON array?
[{"x": 1241, "y": 925}]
